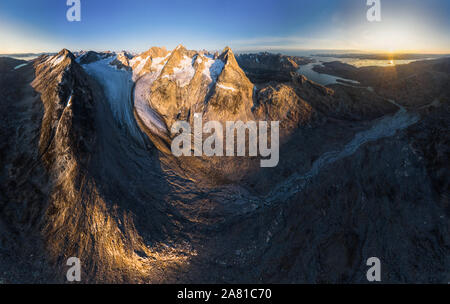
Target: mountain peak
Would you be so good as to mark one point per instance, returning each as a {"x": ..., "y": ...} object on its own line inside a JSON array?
[
  {"x": 179, "y": 47},
  {"x": 66, "y": 53},
  {"x": 227, "y": 56},
  {"x": 154, "y": 52},
  {"x": 227, "y": 49},
  {"x": 177, "y": 55}
]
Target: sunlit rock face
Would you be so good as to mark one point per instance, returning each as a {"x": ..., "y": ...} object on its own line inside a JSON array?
[
  {"x": 181, "y": 83},
  {"x": 148, "y": 61},
  {"x": 77, "y": 220},
  {"x": 232, "y": 98},
  {"x": 186, "y": 82}
]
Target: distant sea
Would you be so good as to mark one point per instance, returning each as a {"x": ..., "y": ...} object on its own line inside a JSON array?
[
  {"x": 325, "y": 79},
  {"x": 365, "y": 62},
  {"x": 27, "y": 56},
  {"x": 355, "y": 58}
]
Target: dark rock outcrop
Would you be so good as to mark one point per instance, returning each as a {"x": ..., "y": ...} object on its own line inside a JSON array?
[{"x": 266, "y": 67}]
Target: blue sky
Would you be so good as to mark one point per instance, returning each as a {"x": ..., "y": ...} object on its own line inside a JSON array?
[{"x": 408, "y": 25}]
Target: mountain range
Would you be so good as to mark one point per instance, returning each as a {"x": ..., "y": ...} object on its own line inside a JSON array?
[{"x": 86, "y": 170}]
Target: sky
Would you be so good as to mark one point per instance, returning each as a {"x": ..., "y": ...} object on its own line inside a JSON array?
[{"x": 245, "y": 25}]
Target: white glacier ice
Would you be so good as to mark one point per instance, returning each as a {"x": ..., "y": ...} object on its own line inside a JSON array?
[
  {"x": 184, "y": 73},
  {"x": 117, "y": 85}
]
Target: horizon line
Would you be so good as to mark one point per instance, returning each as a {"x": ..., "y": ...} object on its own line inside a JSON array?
[{"x": 256, "y": 49}]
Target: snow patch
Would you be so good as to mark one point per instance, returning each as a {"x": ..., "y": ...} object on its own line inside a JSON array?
[
  {"x": 212, "y": 69},
  {"x": 157, "y": 65},
  {"x": 69, "y": 102},
  {"x": 226, "y": 87},
  {"x": 20, "y": 66},
  {"x": 141, "y": 65},
  {"x": 184, "y": 73},
  {"x": 135, "y": 59},
  {"x": 57, "y": 60}
]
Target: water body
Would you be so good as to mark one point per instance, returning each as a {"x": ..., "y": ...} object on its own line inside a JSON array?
[
  {"x": 365, "y": 62},
  {"x": 21, "y": 56},
  {"x": 323, "y": 79}
]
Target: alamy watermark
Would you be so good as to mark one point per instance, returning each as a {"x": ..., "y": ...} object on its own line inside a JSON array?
[
  {"x": 74, "y": 11},
  {"x": 374, "y": 12},
  {"x": 213, "y": 145},
  {"x": 374, "y": 272},
  {"x": 74, "y": 272}
]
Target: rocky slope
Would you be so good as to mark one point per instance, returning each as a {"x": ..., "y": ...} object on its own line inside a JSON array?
[
  {"x": 185, "y": 82},
  {"x": 266, "y": 67}
]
